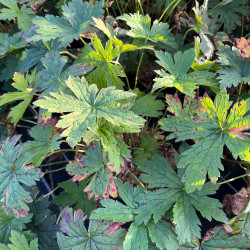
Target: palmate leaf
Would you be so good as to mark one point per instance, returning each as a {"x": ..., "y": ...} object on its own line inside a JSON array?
[
  {"x": 106, "y": 72},
  {"x": 100, "y": 234},
  {"x": 87, "y": 106},
  {"x": 137, "y": 237},
  {"x": 25, "y": 93},
  {"x": 236, "y": 68},
  {"x": 42, "y": 144},
  {"x": 9, "y": 222},
  {"x": 141, "y": 28},
  {"x": 23, "y": 15},
  {"x": 102, "y": 182},
  {"x": 148, "y": 106},
  {"x": 215, "y": 128},
  {"x": 13, "y": 171},
  {"x": 11, "y": 43},
  {"x": 35, "y": 52},
  {"x": 228, "y": 13},
  {"x": 44, "y": 226},
  {"x": 178, "y": 75},
  {"x": 52, "y": 79},
  {"x": 158, "y": 174},
  {"x": 19, "y": 242},
  {"x": 73, "y": 194},
  {"x": 76, "y": 18},
  {"x": 236, "y": 237},
  {"x": 113, "y": 146}
]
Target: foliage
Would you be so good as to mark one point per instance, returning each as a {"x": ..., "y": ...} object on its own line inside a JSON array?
[{"x": 120, "y": 121}]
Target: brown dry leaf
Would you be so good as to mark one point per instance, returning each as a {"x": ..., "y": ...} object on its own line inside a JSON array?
[{"x": 233, "y": 204}]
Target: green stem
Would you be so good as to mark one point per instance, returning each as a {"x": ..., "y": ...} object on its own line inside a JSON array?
[
  {"x": 55, "y": 170},
  {"x": 52, "y": 191},
  {"x": 240, "y": 89},
  {"x": 139, "y": 1},
  {"x": 25, "y": 120},
  {"x": 53, "y": 163},
  {"x": 166, "y": 9},
  {"x": 82, "y": 41},
  {"x": 136, "y": 179},
  {"x": 187, "y": 32},
  {"x": 66, "y": 150},
  {"x": 233, "y": 179},
  {"x": 239, "y": 162},
  {"x": 68, "y": 53}
]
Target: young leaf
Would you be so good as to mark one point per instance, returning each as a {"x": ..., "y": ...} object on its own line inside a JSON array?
[
  {"x": 244, "y": 46},
  {"x": 179, "y": 76},
  {"x": 13, "y": 171},
  {"x": 42, "y": 144},
  {"x": 25, "y": 93},
  {"x": 107, "y": 71},
  {"x": 23, "y": 15},
  {"x": 214, "y": 129},
  {"x": 87, "y": 106},
  {"x": 141, "y": 28},
  {"x": 148, "y": 106},
  {"x": 158, "y": 174},
  {"x": 73, "y": 194},
  {"x": 11, "y": 43},
  {"x": 76, "y": 18},
  {"x": 100, "y": 234},
  {"x": 19, "y": 242},
  {"x": 102, "y": 183},
  {"x": 236, "y": 70}
]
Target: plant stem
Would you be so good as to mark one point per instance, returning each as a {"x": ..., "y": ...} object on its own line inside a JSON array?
[
  {"x": 25, "y": 120},
  {"x": 240, "y": 88},
  {"x": 139, "y": 1},
  {"x": 166, "y": 9},
  {"x": 233, "y": 179},
  {"x": 136, "y": 179},
  {"x": 239, "y": 162},
  {"x": 53, "y": 163},
  {"x": 52, "y": 191},
  {"x": 68, "y": 53},
  {"x": 187, "y": 33},
  {"x": 55, "y": 170},
  {"x": 82, "y": 41},
  {"x": 65, "y": 150}
]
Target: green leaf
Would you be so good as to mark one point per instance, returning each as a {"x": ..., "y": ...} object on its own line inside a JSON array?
[
  {"x": 162, "y": 235},
  {"x": 100, "y": 234},
  {"x": 32, "y": 56},
  {"x": 42, "y": 144},
  {"x": 236, "y": 68},
  {"x": 236, "y": 238},
  {"x": 228, "y": 13},
  {"x": 87, "y": 106},
  {"x": 214, "y": 129},
  {"x": 148, "y": 147},
  {"x": 148, "y": 106},
  {"x": 25, "y": 93},
  {"x": 76, "y": 18},
  {"x": 102, "y": 182},
  {"x": 23, "y": 15},
  {"x": 52, "y": 79},
  {"x": 107, "y": 71},
  {"x": 141, "y": 28},
  {"x": 136, "y": 238},
  {"x": 19, "y": 242},
  {"x": 41, "y": 224},
  {"x": 13, "y": 171},
  {"x": 158, "y": 174},
  {"x": 178, "y": 75},
  {"x": 8, "y": 223},
  {"x": 11, "y": 43},
  {"x": 73, "y": 194}
]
